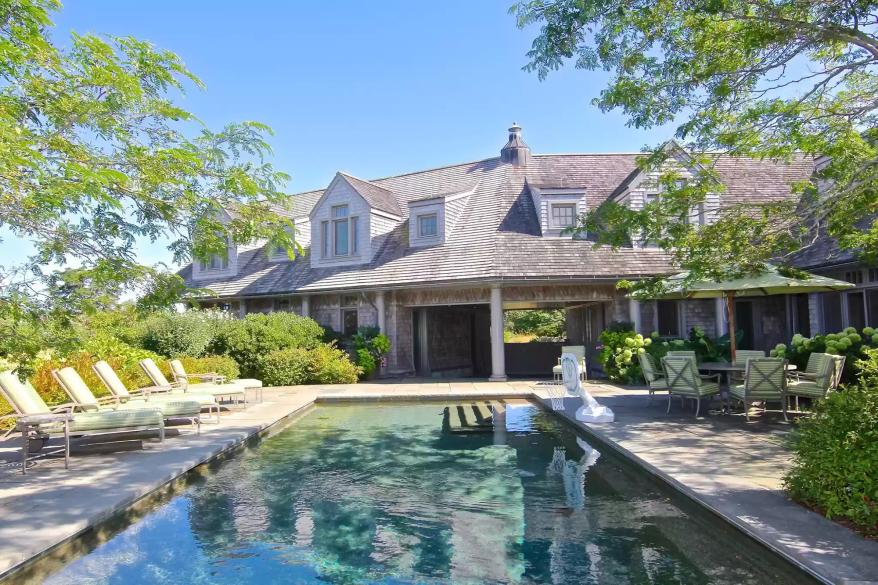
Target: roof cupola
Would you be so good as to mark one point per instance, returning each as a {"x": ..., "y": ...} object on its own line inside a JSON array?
[{"x": 515, "y": 151}]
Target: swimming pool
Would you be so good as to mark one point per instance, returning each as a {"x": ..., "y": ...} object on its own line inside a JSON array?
[{"x": 427, "y": 493}]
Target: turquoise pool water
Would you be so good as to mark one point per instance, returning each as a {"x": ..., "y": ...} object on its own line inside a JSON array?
[{"x": 394, "y": 494}]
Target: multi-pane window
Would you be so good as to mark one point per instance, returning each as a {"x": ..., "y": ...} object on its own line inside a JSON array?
[
  {"x": 428, "y": 225},
  {"x": 340, "y": 236},
  {"x": 215, "y": 262},
  {"x": 563, "y": 215}
]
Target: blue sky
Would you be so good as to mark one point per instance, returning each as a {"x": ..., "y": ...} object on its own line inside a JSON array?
[{"x": 371, "y": 88}]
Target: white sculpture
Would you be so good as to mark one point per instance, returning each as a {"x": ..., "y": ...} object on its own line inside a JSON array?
[{"x": 590, "y": 411}]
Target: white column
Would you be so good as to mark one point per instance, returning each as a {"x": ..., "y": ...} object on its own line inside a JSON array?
[
  {"x": 498, "y": 359},
  {"x": 306, "y": 305},
  {"x": 815, "y": 315},
  {"x": 242, "y": 308},
  {"x": 722, "y": 320},
  {"x": 379, "y": 306},
  {"x": 634, "y": 314}
]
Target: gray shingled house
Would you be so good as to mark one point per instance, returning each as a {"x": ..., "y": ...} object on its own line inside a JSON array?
[{"x": 434, "y": 257}]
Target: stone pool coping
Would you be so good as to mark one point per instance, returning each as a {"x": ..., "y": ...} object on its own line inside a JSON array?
[{"x": 53, "y": 506}]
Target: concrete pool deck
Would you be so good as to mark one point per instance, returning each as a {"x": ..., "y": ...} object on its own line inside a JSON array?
[{"x": 731, "y": 467}]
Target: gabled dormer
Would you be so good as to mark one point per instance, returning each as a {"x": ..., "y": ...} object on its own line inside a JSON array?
[
  {"x": 557, "y": 208},
  {"x": 218, "y": 265},
  {"x": 432, "y": 218},
  {"x": 642, "y": 187},
  {"x": 350, "y": 221}
]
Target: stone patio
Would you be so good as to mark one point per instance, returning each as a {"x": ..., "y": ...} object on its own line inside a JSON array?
[{"x": 732, "y": 467}]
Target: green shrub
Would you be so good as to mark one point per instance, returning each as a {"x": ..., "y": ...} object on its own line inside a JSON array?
[
  {"x": 835, "y": 464},
  {"x": 177, "y": 334},
  {"x": 618, "y": 354},
  {"x": 219, "y": 364},
  {"x": 249, "y": 339},
  {"x": 286, "y": 367},
  {"x": 324, "y": 364},
  {"x": 849, "y": 343},
  {"x": 370, "y": 346},
  {"x": 330, "y": 365},
  {"x": 540, "y": 323}
]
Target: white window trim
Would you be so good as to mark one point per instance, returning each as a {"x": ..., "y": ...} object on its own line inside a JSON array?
[{"x": 553, "y": 205}]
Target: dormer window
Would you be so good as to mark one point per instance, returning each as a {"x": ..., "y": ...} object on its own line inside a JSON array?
[
  {"x": 340, "y": 236},
  {"x": 563, "y": 215},
  {"x": 215, "y": 262},
  {"x": 428, "y": 225}
]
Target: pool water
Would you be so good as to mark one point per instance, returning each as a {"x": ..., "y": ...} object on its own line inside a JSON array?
[{"x": 396, "y": 494}]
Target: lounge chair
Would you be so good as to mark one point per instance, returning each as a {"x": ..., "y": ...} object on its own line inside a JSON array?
[
  {"x": 826, "y": 380},
  {"x": 579, "y": 352},
  {"x": 84, "y": 399},
  {"x": 765, "y": 380},
  {"x": 655, "y": 379},
  {"x": 218, "y": 391},
  {"x": 180, "y": 375},
  {"x": 685, "y": 382},
  {"x": 26, "y": 401},
  {"x": 151, "y": 396}
]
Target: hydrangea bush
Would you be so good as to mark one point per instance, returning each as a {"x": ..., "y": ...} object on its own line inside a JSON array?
[{"x": 850, "y": 343}]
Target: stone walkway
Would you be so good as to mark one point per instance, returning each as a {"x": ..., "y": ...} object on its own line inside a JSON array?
[{"x": 732, "y": 467}]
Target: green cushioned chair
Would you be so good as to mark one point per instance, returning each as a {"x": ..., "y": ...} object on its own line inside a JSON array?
[
  {"x": 152, "y": 396},
  {"x": 25, "y": 401},
  {"x": 682, "y": 353},
  {"x": 741, "y": 357},
  {"x": 765, "y": 380},
  {"x": 155, "y": 375},
  {"x": 685, "y": 382},
  {"x": 84, "y": 399},
  {"x": 825, "y": 381},
  {"x": 655, "y": 379}
]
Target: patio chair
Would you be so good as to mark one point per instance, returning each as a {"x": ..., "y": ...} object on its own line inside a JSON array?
[
  {"x": 180, "y": 375},
  {"x": 764, "y": 380},
  {"x": 655, "y": 380},
  {"x": 826, "y": 381},
  {"x": 682, "y": 353},
  {"x": 151, "y": 396},
  {"x": 685, "y": 382},
  {"x": 741, "y": 357},
  {"x": 579, "y": 352},
  {"x": 813, "y": 368},
  {"x": 155, "y": 375},
  {"x": 26, "y": 401},
  {"x": 84, "y": 399}
]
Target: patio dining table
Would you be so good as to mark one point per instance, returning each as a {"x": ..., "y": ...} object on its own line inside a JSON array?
[{"x": 730, "y": 367}]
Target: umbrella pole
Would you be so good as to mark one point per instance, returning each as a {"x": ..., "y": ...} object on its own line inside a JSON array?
[{"x": 730, "y": 307}]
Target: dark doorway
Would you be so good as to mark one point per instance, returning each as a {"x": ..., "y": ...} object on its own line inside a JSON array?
[
  {"x": 744, "y": 322},
  {"x": 451, "y": 342}
]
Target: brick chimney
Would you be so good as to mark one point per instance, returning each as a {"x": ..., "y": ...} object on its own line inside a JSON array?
[{"x": 515, "y": 151}]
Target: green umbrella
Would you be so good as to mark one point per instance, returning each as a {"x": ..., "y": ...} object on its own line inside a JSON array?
[{"x": 768, "y": 282}]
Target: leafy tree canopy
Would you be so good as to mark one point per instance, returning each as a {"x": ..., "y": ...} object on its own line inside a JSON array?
[
  {"x": 773, "y": 79},
  {"x": 95, "y": 155}
]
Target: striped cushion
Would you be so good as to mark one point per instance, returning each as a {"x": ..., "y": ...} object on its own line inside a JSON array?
[
  {"x": 806, "y": 388},
  {"x": 116, "y": 419},
  {"x": 179, "y": 407}
]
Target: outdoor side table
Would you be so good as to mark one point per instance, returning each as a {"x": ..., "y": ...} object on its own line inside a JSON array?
[{"x": 29, "y": 423}]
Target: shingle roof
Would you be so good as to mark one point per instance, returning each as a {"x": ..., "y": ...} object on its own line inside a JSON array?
[
  {"x": 377, "y": 197},
  {"x": 497, "y": 236}
]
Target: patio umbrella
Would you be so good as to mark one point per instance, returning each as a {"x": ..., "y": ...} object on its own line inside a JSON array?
[{"x": 768, "y": 282}]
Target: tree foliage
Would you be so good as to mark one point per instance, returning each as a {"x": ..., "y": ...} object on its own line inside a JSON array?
[
  {"x": 96, "y": 155},
  {"x": 772, "y": 79}
]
